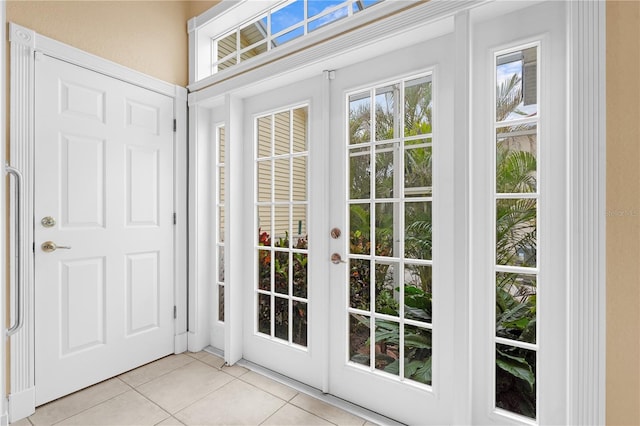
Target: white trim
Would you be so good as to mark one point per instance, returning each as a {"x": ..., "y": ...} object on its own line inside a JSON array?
[
  {"x": 587, "y": 203},
  {"x": 4, "y": 418},
  {"x": 25, "y": 45},
  {"x": 22, "y": 404}
]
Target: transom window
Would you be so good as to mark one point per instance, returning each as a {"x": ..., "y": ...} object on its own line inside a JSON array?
[{"x": 278, "y": 25}]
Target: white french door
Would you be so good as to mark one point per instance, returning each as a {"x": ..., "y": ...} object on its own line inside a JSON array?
[
  {"x": 392, "y": 306},
  {"x": 353, "y": 209},
  {"x": 285, "y": 293},
  {"x": 103, "y": 227}
]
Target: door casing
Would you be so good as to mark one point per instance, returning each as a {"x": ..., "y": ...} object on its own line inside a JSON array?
[{"x": 26, "y": 46}]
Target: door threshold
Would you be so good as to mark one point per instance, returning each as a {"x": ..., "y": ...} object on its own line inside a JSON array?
[{"x": 347, "y": 406}]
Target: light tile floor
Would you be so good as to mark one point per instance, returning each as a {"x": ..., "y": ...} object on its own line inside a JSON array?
[{"x": 190, "y": 389}]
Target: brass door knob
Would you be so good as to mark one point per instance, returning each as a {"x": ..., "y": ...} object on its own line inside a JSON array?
[{"x": 49, "y": 246}]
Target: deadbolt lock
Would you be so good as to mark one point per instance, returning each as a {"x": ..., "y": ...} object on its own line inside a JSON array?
[{"x": 48, "y": 222}]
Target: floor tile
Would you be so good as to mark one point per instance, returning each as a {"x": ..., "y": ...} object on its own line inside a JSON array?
[
  {"x": 75, "y": 403},
  {"x": 234, "y": 370},
  {"x": 290, "y": 415},
  {"x": 237, "y": 403},
  {"x": 171, "y": 421},
  {"x": 155, "y": 369},
  {"x": 212, "y": 360},
  {"x": 196, "y": 355},
  {"x": 22, "y": 422},
  {"x": 130, "y": 408},
  {"x": 184, "y": 386},
  {"x": 269, "y": 385},
  {"x": 326, "y": 411}
]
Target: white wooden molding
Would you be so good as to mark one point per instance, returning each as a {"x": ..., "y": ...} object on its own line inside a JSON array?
[
  {"x": 26, "y": 47},
  {"x": 4, "y": 415},
  {"x": 586, "y": 233}
]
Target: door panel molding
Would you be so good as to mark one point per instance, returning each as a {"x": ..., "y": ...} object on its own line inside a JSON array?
[{"x": 27, "y": 47}]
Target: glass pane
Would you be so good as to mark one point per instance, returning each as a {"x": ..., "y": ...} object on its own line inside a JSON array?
[
  {"x": 516, "y": 225},
  {"x": 359, "y": 284},
  {"x": 299, "y": 179},
  {"x": 264, "y": 270},
  {"x": 387, "y": 288},
  {"x": 417, "y": 107},
  {"x": 417, "y": 240},
  {"x": 385, "y": 112},
  {"x": 359, "y": 337},
  {"x": 221, "y": 224},
  {"x": 282, "y": 133},
  {"x": 387, "y": 346},
  {"x": 516, "y": 166},
  {"x": 264, "y": 181},
  {"x": 418, "y": 172},
  {"x": 255, "y": 50},
  {"x": 363, "y": 4},
  {"x": 288, "y": 36},
  {"x": 264, "y": 314},
  {"x": 317, "y": 7},
  {"x": 227, "y": 46},
  {"x": 287, "y": 16},
  {"x": 221, "y": 145},
  {"x": 385, "y": 235},
  {"x": 281, "y": 272},
  {"x": 264, "y": 225},
  {"x": 282, "y": 227},
  {"x": 299, "y": 323},
  {"x": 360, "y": 173},
  {"x": 221, "y": 303},
  {"x": 221, "y": 264},
  {"x": 281, "y": 179},
  {"x": 300, "y": 116},
  {"x": 360, "y": 231},
  {"x": 264, "y": 136},
  {"x": 328, "y": 18},
  {"x": 417, "y": 354},
  {"x": 300, "y": 226},
  {"x": 384, "y": 186},
  {"x": 418, "y": 286},
  {"x": 226, "y": 64},
  {"x": 516, "y": 380},
  {"x": 221, "y": 198},
  {"x": 253, "y": 33},
  {"x": 281, "y": 318},
  {"x": 516, "y": 306},
  {"x": 359, "y": 118},
  {"x": 517, "y": 84},
  {"x": 300, "y": 275}
]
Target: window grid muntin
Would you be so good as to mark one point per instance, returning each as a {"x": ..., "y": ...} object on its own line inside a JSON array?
[
  {"x": 369, "y": 148},
  {"x": 273, "y": 206},
  {"x": 535, "y": 195},
  {"x": 219, "y": 218},
  {"x": 270, "y": 37}
]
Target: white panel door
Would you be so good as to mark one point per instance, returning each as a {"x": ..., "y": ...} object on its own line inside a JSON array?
[{"x": 104, "y": 204}]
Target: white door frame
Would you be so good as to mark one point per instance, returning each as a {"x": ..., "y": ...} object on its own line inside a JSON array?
[
  {"x": 586, "y": 175},
  {"x": 26, "y": 46},
  {"x": 4, "y": 415}
]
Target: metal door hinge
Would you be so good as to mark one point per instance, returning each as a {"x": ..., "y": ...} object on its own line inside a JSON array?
[
  {"x": 175, "y": 125},
  {"x": 175, "y": 218},
  {"x": 175, "y": 312}
]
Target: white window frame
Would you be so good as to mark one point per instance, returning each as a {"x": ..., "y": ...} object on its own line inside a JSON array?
[{"x": 585, "y": 164}]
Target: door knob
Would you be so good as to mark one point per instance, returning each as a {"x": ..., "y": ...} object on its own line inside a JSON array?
[
  {"x": 48, "y": 222},
  {"x": 336, "y": 259},
  {"x": 49, "y": 246}
]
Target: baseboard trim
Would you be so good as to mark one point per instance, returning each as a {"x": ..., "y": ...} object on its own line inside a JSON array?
[
  {"x": 22, "y": 404},
  {"x": 180, "y": 343}
]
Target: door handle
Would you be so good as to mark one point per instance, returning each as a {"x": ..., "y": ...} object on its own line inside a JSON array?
[
  {"x": 336, "y": 259},
  {"x": 49, "y": 246},
  {"x": 19, "y": 297}
]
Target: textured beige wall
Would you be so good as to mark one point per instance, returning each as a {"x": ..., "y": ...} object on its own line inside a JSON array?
[
  {"x": 623, "y": 212},
  {"x": 148, "y": 36}
]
